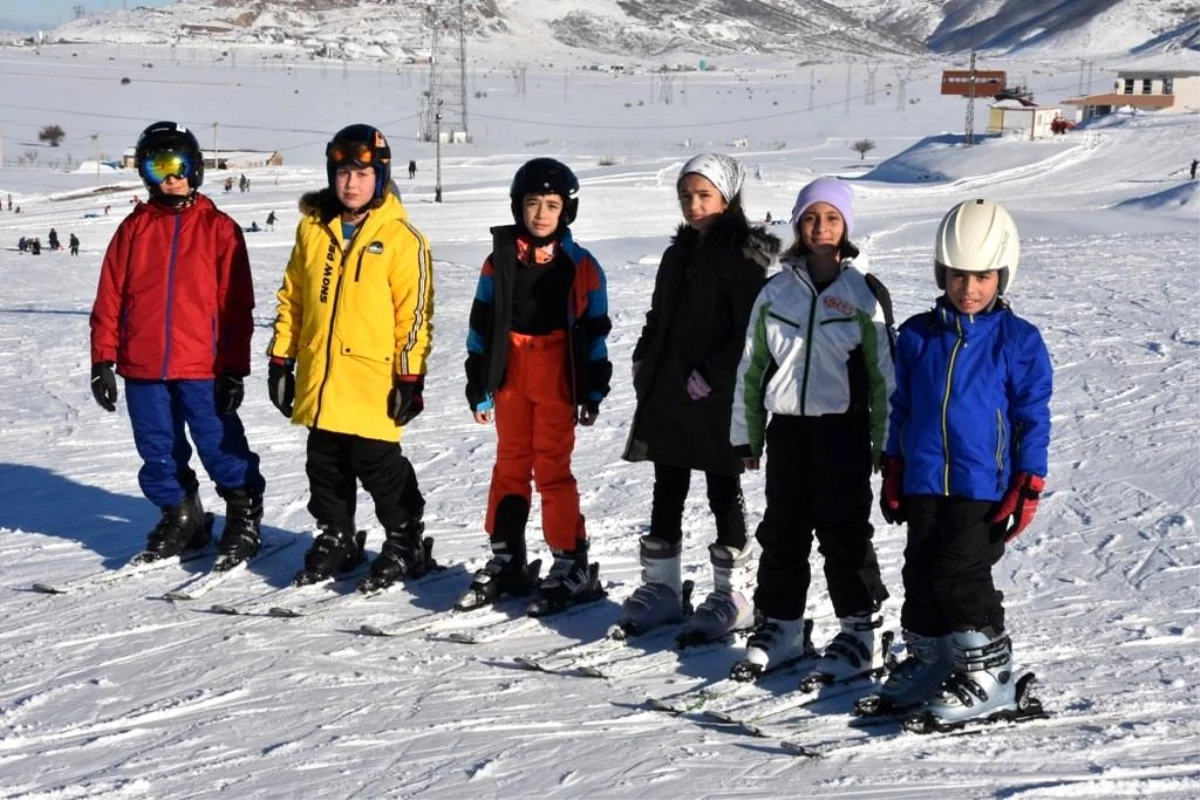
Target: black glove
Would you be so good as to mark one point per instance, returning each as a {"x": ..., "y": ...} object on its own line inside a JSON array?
[
  {"x": 228, "y": 392},
  {"x": 281, "y": 383},
  {"x": 104, "y": 385},
  {"x": 404, "y": 400}
]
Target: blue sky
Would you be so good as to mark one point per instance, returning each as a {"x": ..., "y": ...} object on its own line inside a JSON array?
[{"x": 26, "y": 14}]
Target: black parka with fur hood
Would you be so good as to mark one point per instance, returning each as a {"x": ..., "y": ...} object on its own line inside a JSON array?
[{"x": 703, "y": 294}]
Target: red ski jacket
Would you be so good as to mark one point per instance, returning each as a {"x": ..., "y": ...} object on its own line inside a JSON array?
[{"x": 175, "y": 295}]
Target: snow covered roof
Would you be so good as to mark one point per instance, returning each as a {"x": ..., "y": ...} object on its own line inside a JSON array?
[{"x": 1174, "y": 63}]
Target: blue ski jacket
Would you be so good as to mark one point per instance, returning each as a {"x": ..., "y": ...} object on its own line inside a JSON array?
[{"x": 972, "y": 402}]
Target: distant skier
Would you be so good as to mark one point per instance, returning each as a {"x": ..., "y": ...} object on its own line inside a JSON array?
[
  {"x": 412, "y": 170},
  {"x": 1195, "y": 163},
  {"x": 965, "y": 465},
  {"x": 35, "y": 247},
  {"x": 355, "y": 380},
  {"x": 73, "y": 242},
  {"x": 52, "y": 239},
  {"x": 173, "y": 316},
  {"x": 537, "y": 365},
  {"x": 271, "y": 221}
]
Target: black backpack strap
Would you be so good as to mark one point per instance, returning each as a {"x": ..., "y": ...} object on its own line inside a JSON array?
[{"x": 884, "y": 298}]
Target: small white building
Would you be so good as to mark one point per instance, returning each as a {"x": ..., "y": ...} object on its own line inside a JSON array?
[
  {"x": 1168, "y": 83},
  {"x": 1022, "y": 118},
  {"x": 224, "y": 159}
]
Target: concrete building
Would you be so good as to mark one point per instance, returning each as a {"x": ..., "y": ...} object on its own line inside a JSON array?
[
  {"x": 1022, "y": 118},
  {"x": 1167, "y": 83}
]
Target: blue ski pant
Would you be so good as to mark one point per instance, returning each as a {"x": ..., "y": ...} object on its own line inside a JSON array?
[{"x": 159, "y": 411}]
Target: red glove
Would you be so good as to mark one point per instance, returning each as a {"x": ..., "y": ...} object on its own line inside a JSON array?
[
  {"x": 891, "y": 497},
  {"x": 1020, "y": 503}
]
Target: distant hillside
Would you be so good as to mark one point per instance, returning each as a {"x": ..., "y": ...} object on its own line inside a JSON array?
[{"x": 806, "y": 30}]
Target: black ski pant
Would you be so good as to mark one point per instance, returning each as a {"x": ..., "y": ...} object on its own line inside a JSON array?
[
  {"x": 338, "y": 461},
  {"x": 818, "y": 482},
  {"x": 671, "y": 486},
  {"x": 948, "y": 559}
]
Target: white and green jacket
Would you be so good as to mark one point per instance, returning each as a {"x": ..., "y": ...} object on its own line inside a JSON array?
[{"x": 809, "y": 354}]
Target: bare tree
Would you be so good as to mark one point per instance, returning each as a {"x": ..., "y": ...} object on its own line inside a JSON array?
[
  {"x": 862, "y": 147},
  {"x": 51, "y": 133}
]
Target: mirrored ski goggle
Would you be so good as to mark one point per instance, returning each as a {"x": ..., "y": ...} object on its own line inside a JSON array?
[
  {"x": 358, "y": 153},
  {"x": 157, "y": 167}
]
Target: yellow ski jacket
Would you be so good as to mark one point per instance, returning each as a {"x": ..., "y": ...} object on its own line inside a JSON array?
[{"x": 351, "y": 318}]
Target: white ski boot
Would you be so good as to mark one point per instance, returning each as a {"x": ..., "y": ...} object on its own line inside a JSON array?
[
  {"x": 850, "y": 655},
  {"x": 982, "y": 687},
  {"x": 659, "y": 600},
  {"x": 775, "y": 643},
  {"x": 726, "y": 609}
]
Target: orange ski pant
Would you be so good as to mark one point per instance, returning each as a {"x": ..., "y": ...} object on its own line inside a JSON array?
[{"x": 535, "y": 431}]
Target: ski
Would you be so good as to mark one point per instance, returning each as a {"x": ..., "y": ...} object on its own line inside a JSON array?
[
  {"x": 201, "y": 584},
  {"x": 131, "y": 569},
  {"x": 423, "y": 623},
  {"x": 505, "y": 628},
  {"x": 750, "y": 719},
  {"x": 699, "y": 699},
  {"x": 364, "y": 591},
  {"x": 261, "y": 605}
]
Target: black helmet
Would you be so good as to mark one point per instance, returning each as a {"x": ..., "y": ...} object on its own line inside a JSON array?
[
  {"x": 364, "y": 146},
  {"x": 545, "y": 176},
  {"x": 167, "y": 137}
]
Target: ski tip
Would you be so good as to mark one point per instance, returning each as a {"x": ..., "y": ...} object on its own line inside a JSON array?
[
  {"x": 284, "y": 613},
  {"x": 45, "y": 588},
  {"x": 797, "y": 749},
  {"x": 462, "y": 638},
  {"x": 590, "y": 672},
  {"x": 220, "y": 608},
  {"x": 371, "y": 630},
  {"x": 528, "y": 663},
  {"x": 176, "y": 596}
]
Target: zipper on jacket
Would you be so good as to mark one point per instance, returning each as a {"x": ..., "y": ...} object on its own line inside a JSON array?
[
  {"x": 170, "y": 296},
  {"x": 337, "y": 293},
  {"x": 808, "y": 349},
  {"x": 1001, "y": 446},
  {"x": 946, "y": 408},
  {"x": 358, "y": 268}
]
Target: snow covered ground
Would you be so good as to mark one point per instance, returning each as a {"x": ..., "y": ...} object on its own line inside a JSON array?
[{"x": 118, "y": 693}]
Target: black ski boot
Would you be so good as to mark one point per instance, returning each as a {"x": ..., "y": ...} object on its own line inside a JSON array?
[
  {"x": 505, "y": 573},
  {"x": 405, "y": 554},
  {"x": 334, "y": 550},
  {"x": 571, "y": 581},
  {"x": 240, "y": 539},
  {"x": 182, "y": 527}
]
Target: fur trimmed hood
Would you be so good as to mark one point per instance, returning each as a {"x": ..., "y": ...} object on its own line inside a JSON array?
[{"x": 733, "y": 229}]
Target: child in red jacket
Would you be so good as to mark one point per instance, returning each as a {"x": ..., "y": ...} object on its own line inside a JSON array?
[{"x": 173, "y": 316}]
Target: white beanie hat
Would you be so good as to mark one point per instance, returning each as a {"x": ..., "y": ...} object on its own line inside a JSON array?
[{"x": 726, "y": 173}]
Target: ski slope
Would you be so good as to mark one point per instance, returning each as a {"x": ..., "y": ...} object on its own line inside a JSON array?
[{"x": 117, "y": 693}]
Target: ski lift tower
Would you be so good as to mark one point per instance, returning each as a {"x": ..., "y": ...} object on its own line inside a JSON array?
[{"x": 444, "y": 106}]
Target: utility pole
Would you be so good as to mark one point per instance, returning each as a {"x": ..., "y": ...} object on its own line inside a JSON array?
[
  {"x": 437, "y": 120},
  {"x": 970, "y": 138},
  {"x": 96, "y": 142},
  {"x": 216, "y": 152}
]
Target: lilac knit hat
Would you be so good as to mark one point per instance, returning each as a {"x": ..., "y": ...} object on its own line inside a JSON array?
[{"x": 826, "y": 190}]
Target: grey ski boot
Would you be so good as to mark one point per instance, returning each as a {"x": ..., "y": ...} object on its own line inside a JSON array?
[
  {"x": 659, "y": 600},
  {"x": 727, "y": 608}
]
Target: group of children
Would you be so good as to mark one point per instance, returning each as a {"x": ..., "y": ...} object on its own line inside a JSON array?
[{"x": 804, "y": 367}]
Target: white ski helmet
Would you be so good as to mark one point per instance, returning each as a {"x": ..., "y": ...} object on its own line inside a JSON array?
[{"x": 977, "y": 236}]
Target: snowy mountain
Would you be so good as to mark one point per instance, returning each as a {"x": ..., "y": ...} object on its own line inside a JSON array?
[
  {"x": 114, "y": 693},
  {"x": 808, "y": 30}
]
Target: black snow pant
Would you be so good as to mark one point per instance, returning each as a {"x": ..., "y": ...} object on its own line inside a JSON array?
[
  {"x": 818, "y": 481},
  {"x": 952, "y": 547},
  {"x": 671, "y": 486},
  {"x": 337, "y": 461}
]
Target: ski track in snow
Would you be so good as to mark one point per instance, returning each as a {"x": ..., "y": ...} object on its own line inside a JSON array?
[{"x": 117, "y": 694}]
